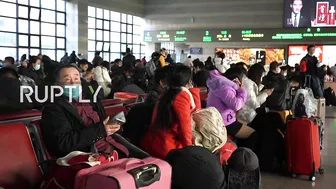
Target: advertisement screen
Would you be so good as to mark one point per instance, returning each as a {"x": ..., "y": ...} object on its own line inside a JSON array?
[
  {"x": 248, "y": 55},
  {"x": 309, "y": 13},
  {"x": 325, "y": 53}
]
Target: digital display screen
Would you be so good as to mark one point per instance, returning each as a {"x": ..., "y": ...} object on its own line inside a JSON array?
[
  {"x": 248, "y": 55},
  {"x": 325, "y": 53},
  {"x": 250, "y": 35},
  {"x": 309, "y": 13}
]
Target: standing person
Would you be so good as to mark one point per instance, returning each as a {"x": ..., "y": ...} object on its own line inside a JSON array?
[
  {"x": 219, "y": 62},
  {"x": 169, "y": 59},
  {"x": 129, "y": 59},
  {"x": 209, "y": 65},
  {"x": 163, "y": 63},
  {"x": 309, "y": 66},
  {"x": 103, "y": 77},
  {"x": 297, "y": 18},
  {"x": 333, "y": 71},
  {"x": 171, "y": 122},
  {"x": 143, "y": 60},
  {"x": 188, "y": 62}
]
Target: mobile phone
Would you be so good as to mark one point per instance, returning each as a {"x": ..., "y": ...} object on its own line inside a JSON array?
[{"x": 119, "y": 118}]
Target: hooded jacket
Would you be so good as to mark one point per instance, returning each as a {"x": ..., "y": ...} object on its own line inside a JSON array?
[{"x": 226, "y": 96}]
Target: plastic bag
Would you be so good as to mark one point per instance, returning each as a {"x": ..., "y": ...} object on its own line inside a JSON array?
[{"x": 309, "y": 102}]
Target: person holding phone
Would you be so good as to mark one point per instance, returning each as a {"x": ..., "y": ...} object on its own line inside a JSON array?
[
  {"x": 226, "y": 93},
  {"x": 255, "y": 97},
  {"x": 69, "y": 126}
]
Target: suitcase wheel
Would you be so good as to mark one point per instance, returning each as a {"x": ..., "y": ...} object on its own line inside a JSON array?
[
  {"x": 312, "y": 178},
  {"x": 321, "y": 171}
]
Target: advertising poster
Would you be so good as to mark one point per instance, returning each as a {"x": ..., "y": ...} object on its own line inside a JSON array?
[
  {"x": 309, "y": 13},
  {"x": 297, "y": 52},
  {"x": 248, "y": 55}
]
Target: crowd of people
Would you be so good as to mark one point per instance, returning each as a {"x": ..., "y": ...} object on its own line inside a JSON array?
[{"x": 241, "y": 93}]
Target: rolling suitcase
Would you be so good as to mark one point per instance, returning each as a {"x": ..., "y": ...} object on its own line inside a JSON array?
[
  {"x": 303, "y": 147},
  {"x": 127, "y": 173}
]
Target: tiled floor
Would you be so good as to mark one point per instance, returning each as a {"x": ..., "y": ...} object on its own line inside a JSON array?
[{"x": 326, "y": 181}]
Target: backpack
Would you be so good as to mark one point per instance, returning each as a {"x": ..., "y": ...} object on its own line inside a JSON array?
[{"x": 208, "y": 129}]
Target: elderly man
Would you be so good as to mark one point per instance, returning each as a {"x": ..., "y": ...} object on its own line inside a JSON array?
[{"x": 69, "y": 125}]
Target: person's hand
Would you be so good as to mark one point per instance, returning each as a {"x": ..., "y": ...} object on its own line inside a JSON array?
[
  {"x": 269, "y": 91},
  {"x": 110, "y": 128}
]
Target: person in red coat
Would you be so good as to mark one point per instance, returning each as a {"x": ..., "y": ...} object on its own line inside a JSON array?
[{"x": 171, "y": 121}]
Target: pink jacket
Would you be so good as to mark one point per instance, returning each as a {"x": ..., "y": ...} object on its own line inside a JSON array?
[{"x": 226, "y": 96}]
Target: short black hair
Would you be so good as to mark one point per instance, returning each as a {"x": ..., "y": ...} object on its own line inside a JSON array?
[
  {"x": 60, "y": 68},
  {"x": 189, "y": 56},
  {"x": 9, "y": 59},
  {"x": 128, "y": 50},
  {"x": 83, "y": 62},
  {"x": 161, "y": 74},
  {"x": 220, "y": 55},
  {"x": 297, "y": 0},
  {"x": 255, "y": 73},
  {"x": 117, "y": 60},
  {"x": 130, "y": 69},
  {"x": 295, "y": 79},
  {"x": 284, "y": 68},
  {"x": 310, "y": 46},
  {"x": 90, "y": 68},
  {"x": 198, "y": 64},
  {"x": 274, "y": 65},
  {"x": 7, "y": 71},
  {"x": 137, "y": 60}
]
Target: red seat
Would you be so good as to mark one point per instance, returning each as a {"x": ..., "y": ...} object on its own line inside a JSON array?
[
  {"x": 35, "y": 130},
  {"x": 22, "y": 116},
  {"x": 203, "y": 93},
  {"x": 112, "y": 102},
  {"x": 125, "y": 97},
  {"x": 111, "y": 111},
  {"x": 18, "y": 163}
]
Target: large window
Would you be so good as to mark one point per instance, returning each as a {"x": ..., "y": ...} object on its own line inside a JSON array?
[
  {"x": 112, "y": 32},
  {"x": 32, "y": 27}
]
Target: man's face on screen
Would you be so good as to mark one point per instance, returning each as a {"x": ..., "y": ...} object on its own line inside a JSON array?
[{"x": 297, "y": 6}]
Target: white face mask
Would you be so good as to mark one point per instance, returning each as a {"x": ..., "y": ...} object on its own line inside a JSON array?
[{"x": 285, "y": 74}]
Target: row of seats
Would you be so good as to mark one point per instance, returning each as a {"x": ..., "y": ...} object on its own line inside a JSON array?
[{"x": 26, "y": 158}]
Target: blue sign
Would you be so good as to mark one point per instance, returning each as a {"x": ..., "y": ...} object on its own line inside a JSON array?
[{"x": 196, "y": 50}]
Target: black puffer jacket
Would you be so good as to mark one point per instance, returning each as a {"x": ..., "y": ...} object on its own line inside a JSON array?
[{"x": 277, "y": 100}]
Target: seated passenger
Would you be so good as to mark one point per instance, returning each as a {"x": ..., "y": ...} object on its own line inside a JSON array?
[
  {"x": 23, "y": 69},
  {"x": 117, "y": 66},
  {"x": 201, "y": 75},
  {"x": 73, "y": 126},
  {"x": 171, "y": 121},
  {"x": 255, "y": 97},
  {"x": 10, "y": 94},
  {"x": 160, "y": 83},
  {"x": 119, "y": 84},
  {"x": 103, "y": 78},
  {"x": 10, "y": 62},
  {"x": 83, "y": 65},
  {"x": 274, "y": 79},
  {"x": 35, "y": 72},
  {"x": 228, "y": 96}
]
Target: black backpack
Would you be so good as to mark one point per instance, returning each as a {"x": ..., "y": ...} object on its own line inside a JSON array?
[{"x": 330, "y": 97}]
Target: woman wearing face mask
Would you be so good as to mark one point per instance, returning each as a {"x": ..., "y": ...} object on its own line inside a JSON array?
[{"x": 35, "y": 71}]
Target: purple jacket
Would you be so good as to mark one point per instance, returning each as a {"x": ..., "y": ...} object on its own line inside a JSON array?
[{"x": 225, "y": 95}]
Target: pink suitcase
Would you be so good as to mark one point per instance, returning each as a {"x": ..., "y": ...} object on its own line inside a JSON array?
[{"x": 128, "y": 173}]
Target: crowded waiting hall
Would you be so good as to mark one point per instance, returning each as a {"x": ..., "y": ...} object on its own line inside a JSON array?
[{"x": 179, "y": 94}]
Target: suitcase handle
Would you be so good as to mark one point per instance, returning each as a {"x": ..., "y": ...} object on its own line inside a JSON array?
[{"x": 145, "y": 175}]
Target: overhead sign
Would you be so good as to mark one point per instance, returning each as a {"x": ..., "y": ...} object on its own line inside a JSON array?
[
  {"x": 196, "y": 50},
  {"x": 247, "y": 35}
]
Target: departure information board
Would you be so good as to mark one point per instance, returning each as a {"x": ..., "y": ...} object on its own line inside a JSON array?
[{"x": 248, "y": 35}]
